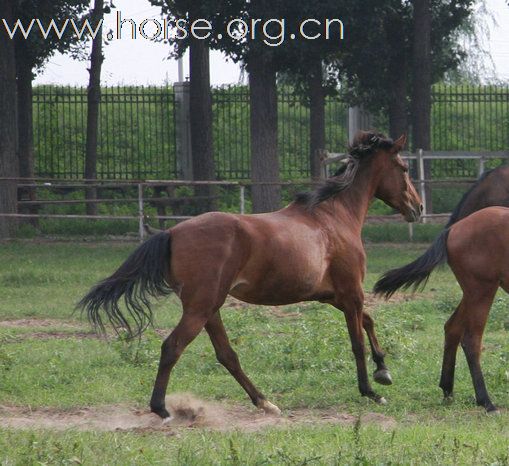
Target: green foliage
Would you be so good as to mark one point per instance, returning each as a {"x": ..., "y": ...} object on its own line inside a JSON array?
[{"x": 36, "y": 50}]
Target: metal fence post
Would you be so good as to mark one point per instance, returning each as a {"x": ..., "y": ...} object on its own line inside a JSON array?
[
  {"x": 242, "y": 199},
  {"x": 183, "y": 131},
  {"x": 422, "y": 187},
  {"x": 141, "y": 229},
  {"x": 358, "y": 119},
  {"x": 481, "y": 166}
]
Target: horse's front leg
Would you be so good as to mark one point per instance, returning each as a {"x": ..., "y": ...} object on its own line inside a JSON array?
[
  {"x": 381, "y": 374},
  {"x": 351, "y": 305}
]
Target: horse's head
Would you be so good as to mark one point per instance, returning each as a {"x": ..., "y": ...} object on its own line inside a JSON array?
[{"x": 395, "y": 187}]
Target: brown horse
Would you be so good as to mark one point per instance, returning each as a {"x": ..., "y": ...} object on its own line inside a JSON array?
[
  {"x": 477, "y": 251},
  {"x": 310, "y": 250}
]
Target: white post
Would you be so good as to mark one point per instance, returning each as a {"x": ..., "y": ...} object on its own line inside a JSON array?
[
  {"x": 358, "y": 119},
  {"x": 422, "y": 187},
  {"x": 183, "y": 131},
  {"x": 242, "y": 199},
  {"x": 141, "y": 230},
  {"x": 481, "y": 166}
]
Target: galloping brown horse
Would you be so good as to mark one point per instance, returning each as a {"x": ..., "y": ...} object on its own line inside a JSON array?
[
  {"x": 477, "y": 250},
  {"x": 310, "y": 250}
]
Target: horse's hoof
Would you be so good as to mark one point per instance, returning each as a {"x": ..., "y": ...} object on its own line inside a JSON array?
[
  {"x": 167, "y": 420},
  {"x": 492, "y": 411},
  {"x": 448, "y": 400},
  {"x": 161, "y": 412},
  {"x": 269, "y": 408},
  {"x": 381, "y": 401},
  {"x": 383, "y": 377}
]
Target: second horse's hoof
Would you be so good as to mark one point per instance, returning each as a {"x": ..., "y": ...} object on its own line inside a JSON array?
[{"x": 383, "y": 377}]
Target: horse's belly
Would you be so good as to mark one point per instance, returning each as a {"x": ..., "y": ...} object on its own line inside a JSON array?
[{"x": 274, "y": 292}]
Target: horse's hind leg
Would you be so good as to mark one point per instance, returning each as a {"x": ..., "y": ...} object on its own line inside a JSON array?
[
  {"x": 453, "y": 329},
  {"x": 184, "y": 333},
  {"x": 229, "y": 359},
  {"x": 382, "y": 374},
  {"x": 476, "y": 317}
]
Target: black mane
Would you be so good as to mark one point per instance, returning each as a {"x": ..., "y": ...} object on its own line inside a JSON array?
[
  {"x": 455, "y": 215},
  {"x": 364, "y": 144}
]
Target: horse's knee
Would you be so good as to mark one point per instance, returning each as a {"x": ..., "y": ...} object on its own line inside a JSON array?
[{"x": 228, "y": 358}]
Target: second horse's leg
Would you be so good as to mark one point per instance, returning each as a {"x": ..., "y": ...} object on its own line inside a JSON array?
[
  {"x": 229, "y": 359},
  {"x": 471, "y": 341},
  {"x": 453, "y": 329}
]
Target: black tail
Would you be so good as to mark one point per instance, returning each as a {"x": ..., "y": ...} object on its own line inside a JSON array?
[
  {"x": 142, "y": 275},
  {"x": 417, "y": 272}
]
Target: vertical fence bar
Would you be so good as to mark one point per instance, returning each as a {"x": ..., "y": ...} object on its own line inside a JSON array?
[
  {"x": 141, "y": 230},
  {"x": 481, "y": 166},
  {"x": 411, "y": 231},
  {"x": 242, "y": 199},
  {"x": 422, "y": 187}
]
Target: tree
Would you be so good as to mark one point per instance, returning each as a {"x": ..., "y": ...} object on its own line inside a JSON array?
[
  {"x": 93, "y": 103},
  {"x": 262, "y": 67},
  {"x": 421, "y": 85},
  {"x": 265, "y": 192},
  {"x": 200, "y": 97},
  {"x": 8, "y": 126},
  {"x": 31, "y": 54},
  {"x": 201, "y": 122},
  {"x": 375, "y": 63}
]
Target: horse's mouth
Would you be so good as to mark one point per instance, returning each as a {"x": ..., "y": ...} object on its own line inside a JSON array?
[{"x": 412, "y": 215}]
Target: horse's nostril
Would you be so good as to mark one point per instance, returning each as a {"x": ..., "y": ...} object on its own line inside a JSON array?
[{"x": 421, "y": 208}]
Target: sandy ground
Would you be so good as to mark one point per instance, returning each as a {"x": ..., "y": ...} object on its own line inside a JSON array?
[{"x": 187, "y": 412}]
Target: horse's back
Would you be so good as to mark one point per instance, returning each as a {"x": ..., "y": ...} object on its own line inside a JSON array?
[{"x": 478, "y": 246}]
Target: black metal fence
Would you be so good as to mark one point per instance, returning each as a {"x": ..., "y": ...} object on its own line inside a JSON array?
[{"x": 138, "y": 130}]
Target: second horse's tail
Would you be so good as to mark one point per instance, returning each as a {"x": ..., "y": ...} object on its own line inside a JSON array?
[
  {"x": 417, "y": 272},
  {"x": 143, "y": 274}
]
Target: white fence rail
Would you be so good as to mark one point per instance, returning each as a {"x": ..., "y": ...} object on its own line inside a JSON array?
[{"x": 141, "y": 200}]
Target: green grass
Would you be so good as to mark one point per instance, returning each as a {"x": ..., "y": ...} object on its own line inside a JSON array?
[{"x": 299, "y": 357}]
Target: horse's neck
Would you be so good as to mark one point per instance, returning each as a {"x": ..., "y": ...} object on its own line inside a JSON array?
[{"x": 355, "y": 200}]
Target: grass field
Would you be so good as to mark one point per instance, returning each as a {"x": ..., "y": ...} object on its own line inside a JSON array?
[{"x": 60, "y": 384}]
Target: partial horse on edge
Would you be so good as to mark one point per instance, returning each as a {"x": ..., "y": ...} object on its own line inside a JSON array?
[{"x": 475, "y": 244}]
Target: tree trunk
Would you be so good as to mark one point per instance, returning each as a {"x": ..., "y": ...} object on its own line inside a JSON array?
[
  {"x": 263, "y": 125},
  {"x": 93, "y": 102},
  {"x": 316, "y": 120},
  {"x": 398, "y": 111},
  {"x": 25, "y": 131},
  {"x": 200, "y": 103},
  {"x": 421, "y": 89},
  {"x": 398, "y": 72},
  {"x": 8, "y": 127}
]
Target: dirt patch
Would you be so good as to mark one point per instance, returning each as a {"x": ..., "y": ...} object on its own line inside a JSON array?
[
  {"x": 371, "y": 301},
  {"x": 187, "y": 412},
  {"x": 23, "y": 323}
]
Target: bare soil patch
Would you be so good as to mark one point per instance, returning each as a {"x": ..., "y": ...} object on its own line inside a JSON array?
[
  {"x": 39, "y": 323},
  {"x": 187, "y": 412}
]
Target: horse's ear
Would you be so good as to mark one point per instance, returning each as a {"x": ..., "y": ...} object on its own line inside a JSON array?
[{"x": 399, "y": 144}]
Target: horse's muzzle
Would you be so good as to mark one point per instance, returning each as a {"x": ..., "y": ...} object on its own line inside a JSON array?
[{"x": 413, "y": 214}]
